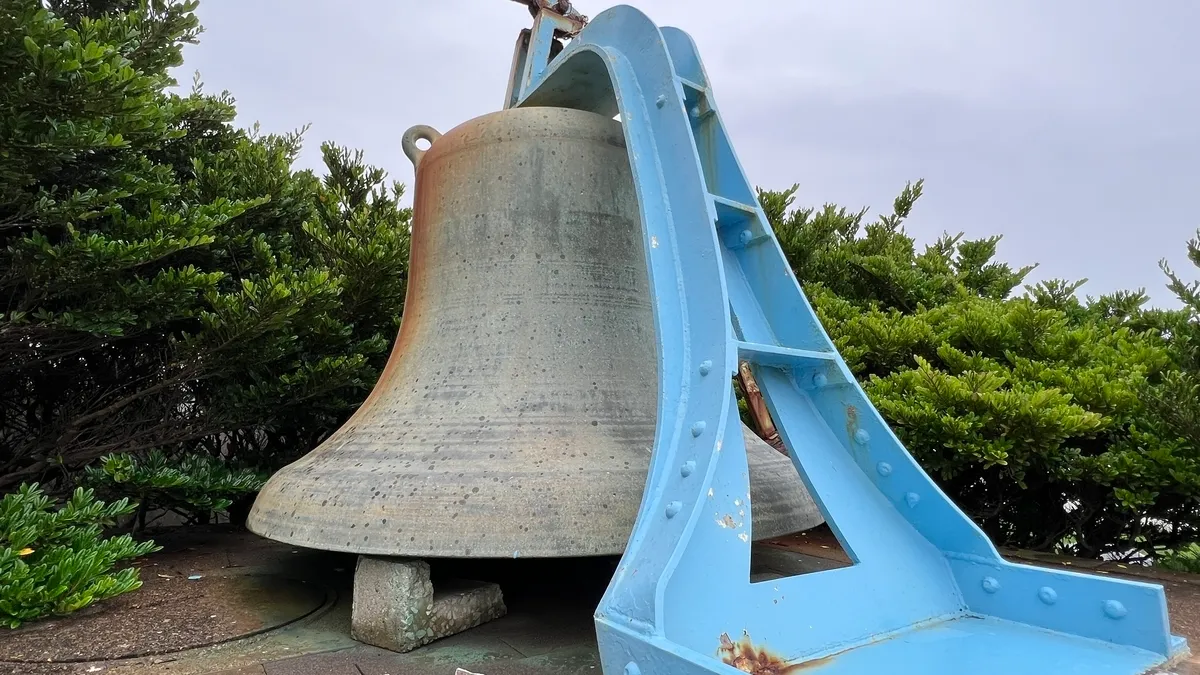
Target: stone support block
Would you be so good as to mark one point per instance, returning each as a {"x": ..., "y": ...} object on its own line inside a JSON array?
[{"x": 396, "y": 607}]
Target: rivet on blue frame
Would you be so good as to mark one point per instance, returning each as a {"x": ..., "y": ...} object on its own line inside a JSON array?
[{"x": 928, "y": 592}]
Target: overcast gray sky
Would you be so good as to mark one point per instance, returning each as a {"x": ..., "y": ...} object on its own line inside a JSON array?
[{"x": 1069, "y": 127}]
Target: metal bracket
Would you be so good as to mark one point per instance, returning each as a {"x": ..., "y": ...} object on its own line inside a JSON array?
[
  {"x": 928, "y": 592},
  {"x": 553, "y": 21},
  {"x": 573, "y": 21}
]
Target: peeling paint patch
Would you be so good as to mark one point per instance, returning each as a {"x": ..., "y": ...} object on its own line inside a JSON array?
[
  {"x": 747, "y": 658},
  {"x": 851, "y": 423},
  {"x": 653, "y": 242}
]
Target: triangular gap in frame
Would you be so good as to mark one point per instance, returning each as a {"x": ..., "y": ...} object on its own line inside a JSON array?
[{"x": 791, "y": 535}]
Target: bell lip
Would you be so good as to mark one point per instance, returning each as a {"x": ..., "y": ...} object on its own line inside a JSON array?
[
  {"x": 803, "y": 515},
  {"x": 799, "y": 518},
  {"x": 267, "y": 531},
  {"x": 536, "y": 554}
]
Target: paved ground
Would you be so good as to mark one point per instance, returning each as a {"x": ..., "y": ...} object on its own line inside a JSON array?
[{"x": 548, "y": 629}]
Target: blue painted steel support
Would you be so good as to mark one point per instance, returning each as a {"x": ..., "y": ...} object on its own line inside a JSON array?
[{"x": 928, "y": 592}]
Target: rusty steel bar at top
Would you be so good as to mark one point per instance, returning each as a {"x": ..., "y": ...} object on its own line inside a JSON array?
[
  {"x": 573, "y": 20},
  {"x": 554, "y": 20}
]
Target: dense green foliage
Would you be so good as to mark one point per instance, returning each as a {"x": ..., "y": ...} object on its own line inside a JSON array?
[
  {"x": 1185, "y": 558},
  {"x": 54, "y": 559},
  {"x": 1028, "y": 409},
  {"x": 1173, "y": 403},
  {"x": 1176, "y": 401},
  {"x": 167, "y": 281},
  {"x": 194, "y": 486}
]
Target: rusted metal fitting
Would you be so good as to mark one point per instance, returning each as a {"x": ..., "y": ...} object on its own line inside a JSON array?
[{"x": 573, "y": 20}]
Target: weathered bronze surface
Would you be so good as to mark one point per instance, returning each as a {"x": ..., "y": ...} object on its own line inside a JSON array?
[{"x": 517, "y": 412}]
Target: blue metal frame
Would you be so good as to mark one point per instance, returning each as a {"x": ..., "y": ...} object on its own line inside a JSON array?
[{"x": 928, "y": 592}]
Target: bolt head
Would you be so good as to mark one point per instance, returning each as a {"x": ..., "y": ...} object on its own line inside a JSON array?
[
  {"x": 1048, "y": 595},
  {"x": 1115, "y": 609}
]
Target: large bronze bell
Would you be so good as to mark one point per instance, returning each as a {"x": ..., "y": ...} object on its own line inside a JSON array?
[{"x": 517, "y": 412}]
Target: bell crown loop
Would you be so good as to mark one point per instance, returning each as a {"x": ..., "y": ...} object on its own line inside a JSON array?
[{"x": 408, "y": 142}]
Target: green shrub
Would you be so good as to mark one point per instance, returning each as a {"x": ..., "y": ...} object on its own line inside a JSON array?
[
  {"x": 1186, "y": 558},
  {"x": 55, "y": 561},
  {"x": 167, "y": 279},
  {"x": 195, "y": 486},
  {"x": 1029, "y": 411},
  {"x": 1019, "y": 413}
]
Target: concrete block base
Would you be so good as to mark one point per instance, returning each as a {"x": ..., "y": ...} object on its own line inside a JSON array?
[{"x": 395, "y": 606}]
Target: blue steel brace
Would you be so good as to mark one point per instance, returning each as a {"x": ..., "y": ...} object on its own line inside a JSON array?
[{"x": 928, "y": 592}]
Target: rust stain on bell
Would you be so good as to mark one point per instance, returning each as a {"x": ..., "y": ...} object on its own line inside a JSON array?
[{"x": 517, "y": 410}]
